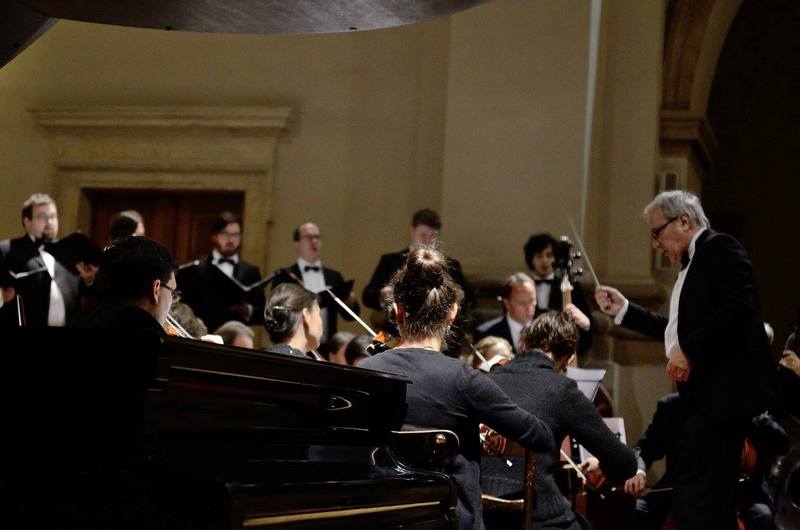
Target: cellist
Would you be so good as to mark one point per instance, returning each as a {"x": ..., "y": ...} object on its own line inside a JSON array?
[{"x": 534, "y": 380}]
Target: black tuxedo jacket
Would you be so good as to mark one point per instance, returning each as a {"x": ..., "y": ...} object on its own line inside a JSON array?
[
  {"x": 662, "y": 438},
  {"x": 720, "y": 329},
  {"x": 20, "y": 255},
  {"x": 213, "y": 305},
  {"x": 556, "y": 302},
  {"x": 332, "y": 278},
  {"x": 497, "y": 327},
  {"x": 391, "y": 263}
]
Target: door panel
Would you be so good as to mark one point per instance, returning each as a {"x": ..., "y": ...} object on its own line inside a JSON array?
[{"x": 181, "y": 221}]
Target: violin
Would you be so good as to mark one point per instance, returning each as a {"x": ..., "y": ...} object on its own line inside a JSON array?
[{"x": 173, "y": 328}]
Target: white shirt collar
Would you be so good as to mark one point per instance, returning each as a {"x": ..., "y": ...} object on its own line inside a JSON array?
[
  {"x": 301, "y": 263},
  {"x": 516, "y": 327},
  {"x": 216, "y": 256},
  {"x": 694, "y": 242},
  {"x": 550, "y": 276}
]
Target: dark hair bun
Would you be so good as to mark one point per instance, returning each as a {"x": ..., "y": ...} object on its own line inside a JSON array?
[
  {"x": 426, "y": 293},
  {"x": 427, "y": 267},
  {"x": 284, "y": 306},
  {"x": 278, "y": 320}
]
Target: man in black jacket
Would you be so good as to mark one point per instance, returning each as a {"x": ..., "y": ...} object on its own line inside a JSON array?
[
  {"x": 425, "y": 226},
  {"x": 518, "y": 298},
  {"x": 317, "y": 278},
  {"x": 717, "y": 349},
  {"x": 214, "y": 298},
  {"x": 540, "y": 257},
  {"x": 51, "y": 295},
  {"x": 533, "y": 380}
]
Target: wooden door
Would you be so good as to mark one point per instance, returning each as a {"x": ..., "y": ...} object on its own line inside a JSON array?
[{"x": 179, "y": 220}]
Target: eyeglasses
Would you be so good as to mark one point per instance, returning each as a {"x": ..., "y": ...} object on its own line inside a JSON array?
[
  {"x": 656, "y": 232},
  {"x": 46, "y": 217},
  {"x": 312, "y": 237},
  {"x": 176, "y": 294}
]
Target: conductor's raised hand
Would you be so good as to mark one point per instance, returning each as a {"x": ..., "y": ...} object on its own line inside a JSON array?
[{"x": 609, "y": 299}]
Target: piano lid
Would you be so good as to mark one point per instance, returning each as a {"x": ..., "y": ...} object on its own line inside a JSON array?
[{"x": 22, "y": 21}]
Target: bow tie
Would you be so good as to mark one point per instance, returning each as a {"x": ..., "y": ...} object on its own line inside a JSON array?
[
  {"x": 684, "y": 260},
  {"x": 548, "y": 282},
  {"x": 314, "y": 268},
  {"x": 226, "y": 260}
]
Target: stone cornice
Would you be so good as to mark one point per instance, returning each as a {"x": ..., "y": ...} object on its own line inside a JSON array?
[
  {"x": 679, "y": 127},
  {"x": 248, "y": 118}
]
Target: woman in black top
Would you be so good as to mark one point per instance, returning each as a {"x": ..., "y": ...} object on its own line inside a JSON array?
[
  {"x": 445, "y": 393},
  {"x": 292, "y": 320},
  {"x": 534, "y": 380}
]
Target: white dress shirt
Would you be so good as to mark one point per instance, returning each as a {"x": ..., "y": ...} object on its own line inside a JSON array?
[
  {"x": 516, "y": 332},
  {"x": 57, "y": 310},
  {"x": 543, "y": 290},
  {"x": 671, "y": 331},
  {"x": 313, "y": 280},
  {"x": 226, "y": 267}
]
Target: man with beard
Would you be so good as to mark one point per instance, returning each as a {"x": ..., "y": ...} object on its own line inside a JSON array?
[
  {"x": 214, "y": 298},
  {"x": 51, "y": 293}
]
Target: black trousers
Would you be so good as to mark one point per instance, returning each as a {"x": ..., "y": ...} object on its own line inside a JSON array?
[{"x": 706, "y": 481}]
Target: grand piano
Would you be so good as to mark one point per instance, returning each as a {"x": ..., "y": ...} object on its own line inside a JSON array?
[{"x": 148, "y": 431}]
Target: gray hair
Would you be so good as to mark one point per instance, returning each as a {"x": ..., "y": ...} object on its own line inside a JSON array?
[
  {"x": 37, "y": 199},
  {"x": 675, "y": 203},
  {"x": 232, "y": 329}
]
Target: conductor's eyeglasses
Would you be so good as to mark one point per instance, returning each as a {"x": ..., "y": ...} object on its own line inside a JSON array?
[{"x": 656, "y": 232}]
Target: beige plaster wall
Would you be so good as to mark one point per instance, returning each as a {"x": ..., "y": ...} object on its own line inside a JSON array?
[
  {"x": 629, "y": 137},
  {"x": 514, "y": 137}
]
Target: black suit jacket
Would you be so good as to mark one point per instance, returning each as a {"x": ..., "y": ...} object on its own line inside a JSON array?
[
  {"x": 212, "y": 304},
  {"x": 720, "y": 329},
  {"x": 556, "y": 302},
  {"x": 497, "y": 327},
  {"x": 332, "y": 278},
  {"x": 20, "y": 255},
  {"x": 662, "y": 438},
  {"x": 530, "y": 380},
  {"x": 391, "y": 263}
]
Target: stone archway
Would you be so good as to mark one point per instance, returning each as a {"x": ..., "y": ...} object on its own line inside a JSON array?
[{"x": 694, "y": 34}]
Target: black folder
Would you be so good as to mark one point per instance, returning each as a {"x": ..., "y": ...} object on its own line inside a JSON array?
[
  {"x": 74, "y": 248},
  {"x": 9, "y": 278}
]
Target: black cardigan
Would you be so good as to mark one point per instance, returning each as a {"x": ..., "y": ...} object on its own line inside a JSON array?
[
  {"x": 531, "y": 381},
  {"x": 447, "y": 394}
]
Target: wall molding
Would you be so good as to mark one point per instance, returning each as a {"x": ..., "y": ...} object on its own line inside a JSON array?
[{"x": 166, "y": 148}]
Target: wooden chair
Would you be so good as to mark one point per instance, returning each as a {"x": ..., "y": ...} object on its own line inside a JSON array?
[{"x": 524, "y": 505}]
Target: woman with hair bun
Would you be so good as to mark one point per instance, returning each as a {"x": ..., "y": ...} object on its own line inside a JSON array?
[
  {"x": 292, "y": 320},
  {"x": 447, "y": 394}
]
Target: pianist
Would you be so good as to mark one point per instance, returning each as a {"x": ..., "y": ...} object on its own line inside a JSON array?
[{"x": 445, "y": 393}]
